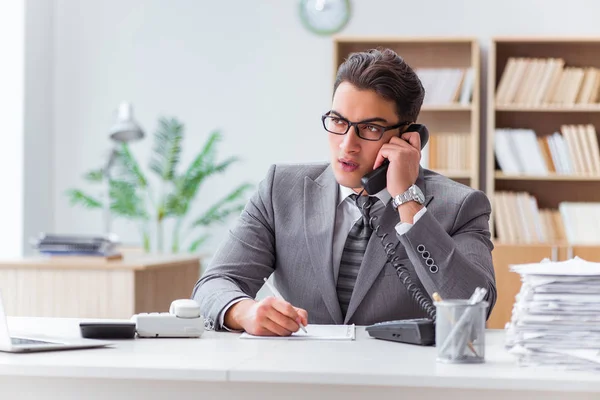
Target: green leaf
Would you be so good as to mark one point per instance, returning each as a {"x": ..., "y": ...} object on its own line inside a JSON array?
[
  {"x": 197, "y": 243},
  {"x": 146, "y": 241},
  {"x": 177, "y": 203},
  {"x": 206, "y": 157},
  {"x": 125, "y": 200},
  {"x": 94, "y": 175},
  {"x": 223, "y": 208},
  {"x": 128, "y": 169},
  {"x": 237, "y": 193},
  {"x": 167, "y": 148},
  {"x": 77, "y": 197},
  {"x": 217, "y": 169},
  {"x": 209, "y": 152},
  {"x": 188, "y": 185},
  {"x": 217, "y": 214}
]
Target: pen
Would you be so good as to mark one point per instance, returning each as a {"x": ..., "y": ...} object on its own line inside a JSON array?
[
  {"x": 438, "y": 298},
  {"x": 477, "y": 296},
  {"x": 277, "y": 294}
]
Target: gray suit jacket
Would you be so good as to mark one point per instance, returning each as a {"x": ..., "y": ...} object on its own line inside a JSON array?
[{"x": 286, "y": 229}]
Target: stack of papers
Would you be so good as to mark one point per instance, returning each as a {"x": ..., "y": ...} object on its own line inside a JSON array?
[
  {"x": 556, "y": 316},
  {"x": 78, "y": 245}
]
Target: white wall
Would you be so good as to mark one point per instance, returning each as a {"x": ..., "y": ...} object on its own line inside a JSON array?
[
  {"x": 38, "y": 174},
  {"x": 12, "y": 72},
  {"x": 246, "y": 67}
]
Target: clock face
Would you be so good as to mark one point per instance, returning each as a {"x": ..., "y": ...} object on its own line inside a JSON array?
[{"x": 324, "y": 17}]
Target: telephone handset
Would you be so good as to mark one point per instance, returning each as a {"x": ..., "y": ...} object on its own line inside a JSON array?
[
  {"x": 419, "y": 331},
  {"x": 375, "y": 181}
]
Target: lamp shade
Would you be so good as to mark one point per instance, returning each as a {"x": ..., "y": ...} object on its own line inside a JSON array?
[{"x": 126, "y": 128}]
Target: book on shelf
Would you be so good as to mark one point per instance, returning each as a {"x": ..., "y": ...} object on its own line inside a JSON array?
[
  {"x": 518, "y": 219},
  {"x": 447, "y": 85},
  {"x": 573, "y": 150},
  {"x": 447, "y": 152},
  {"x": 547, "y": 82}
]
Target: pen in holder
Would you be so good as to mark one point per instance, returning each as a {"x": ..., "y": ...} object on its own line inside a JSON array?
[{"x": 460, "y": 329}]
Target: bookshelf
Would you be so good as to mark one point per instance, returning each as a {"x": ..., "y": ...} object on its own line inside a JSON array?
[
  {"x": 453, "y": 121},
  {"x": 538, "y": 88},
  {"x": 546, "y": 115}
]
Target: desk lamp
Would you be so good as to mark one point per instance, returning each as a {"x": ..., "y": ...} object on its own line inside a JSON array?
[{"x": 125, "y": 130}]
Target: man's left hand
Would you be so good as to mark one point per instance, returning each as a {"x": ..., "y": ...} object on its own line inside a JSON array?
[{"x": 404, "y": 155}]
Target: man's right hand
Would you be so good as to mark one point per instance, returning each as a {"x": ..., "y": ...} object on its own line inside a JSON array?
[{"x": 268, "y": 317}]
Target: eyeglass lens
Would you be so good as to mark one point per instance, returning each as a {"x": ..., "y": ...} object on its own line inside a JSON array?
[{"x": 340, "y": 126}]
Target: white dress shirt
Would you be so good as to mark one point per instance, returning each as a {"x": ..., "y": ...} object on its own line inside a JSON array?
[{"x": 346, "y": 215}]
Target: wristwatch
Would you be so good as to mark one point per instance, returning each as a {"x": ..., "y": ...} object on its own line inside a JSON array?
[{"x": 413, "y": 193}]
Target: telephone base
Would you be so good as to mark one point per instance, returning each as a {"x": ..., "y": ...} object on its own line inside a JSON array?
[
  {"x": 167, "y": 325},
  {"x": 419, "y": 331}
]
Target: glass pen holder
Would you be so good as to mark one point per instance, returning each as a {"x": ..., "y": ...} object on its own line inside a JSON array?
[{"x": 460, "y": 331}]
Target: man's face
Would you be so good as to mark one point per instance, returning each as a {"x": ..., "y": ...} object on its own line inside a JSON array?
[{"x": 351, "y": 156}]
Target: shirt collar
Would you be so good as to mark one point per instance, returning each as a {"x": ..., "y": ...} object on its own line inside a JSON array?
[{"x": 345, "y": 192}]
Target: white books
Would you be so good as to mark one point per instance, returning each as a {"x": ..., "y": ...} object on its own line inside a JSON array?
[
  {"x": 446, "y": 85},
  {"x": 506, "y": 153},
  {"x": 467, "y": 87},
  {"x": 573, "y": 150}
]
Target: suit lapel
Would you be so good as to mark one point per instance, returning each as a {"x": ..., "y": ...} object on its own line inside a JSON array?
[
  {"x": 375, "y": 257},
  {"x": 320, "y": 198}
]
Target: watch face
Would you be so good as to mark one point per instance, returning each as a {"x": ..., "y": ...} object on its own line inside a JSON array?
[
  {"x": 324, "y": 17},
  {"x": 417, "y": 194}
]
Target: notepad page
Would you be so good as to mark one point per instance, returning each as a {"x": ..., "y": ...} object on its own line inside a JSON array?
[{"x": 315, "y": 332}]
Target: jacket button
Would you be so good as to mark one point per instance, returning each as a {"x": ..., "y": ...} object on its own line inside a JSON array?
[
  {"x": 434, "y": 269},
  {"x": 425, "y": 254},
  {"x": 429, "y": 262},
  {"x": 420, "y": 248}
]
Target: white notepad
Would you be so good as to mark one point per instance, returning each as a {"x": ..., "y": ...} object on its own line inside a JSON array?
[{"x": 315, "y": 332}]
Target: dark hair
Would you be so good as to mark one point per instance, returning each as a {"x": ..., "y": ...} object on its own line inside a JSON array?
[{"x": 388, "y": 75}]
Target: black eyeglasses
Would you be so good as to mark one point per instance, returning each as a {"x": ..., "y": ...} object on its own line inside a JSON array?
[{"x": 365, "y": 130}]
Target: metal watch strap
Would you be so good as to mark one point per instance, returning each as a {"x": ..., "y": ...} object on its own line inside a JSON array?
[{"x": 404, "y": 197}]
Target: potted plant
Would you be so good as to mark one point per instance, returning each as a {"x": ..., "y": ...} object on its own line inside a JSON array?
[{"x": 133, "y": 196}]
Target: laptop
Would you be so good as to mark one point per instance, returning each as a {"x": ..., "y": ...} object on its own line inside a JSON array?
[{"x": 28, "y": 344}]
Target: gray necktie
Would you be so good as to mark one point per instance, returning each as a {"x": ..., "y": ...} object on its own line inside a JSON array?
[{"x": 354, "y": 249}]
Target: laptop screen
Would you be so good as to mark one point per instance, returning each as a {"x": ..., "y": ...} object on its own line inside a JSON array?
[{"x": 5, "y": 342}]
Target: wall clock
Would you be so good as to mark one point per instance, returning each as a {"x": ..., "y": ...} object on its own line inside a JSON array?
[{"x": 324, "y": 17}]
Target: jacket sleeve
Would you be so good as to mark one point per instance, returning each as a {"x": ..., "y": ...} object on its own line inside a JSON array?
[
  {"x": 243, "y": 259},
  {"x": 454, "y": 263}
]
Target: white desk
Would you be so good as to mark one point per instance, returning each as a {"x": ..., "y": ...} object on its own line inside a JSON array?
[{"x": 221, "y": 366}]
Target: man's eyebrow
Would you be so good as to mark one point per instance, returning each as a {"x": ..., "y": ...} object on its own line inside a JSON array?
[{"x": 375, "y": 119}]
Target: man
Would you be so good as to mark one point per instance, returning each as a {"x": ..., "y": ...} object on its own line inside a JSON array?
[{"x": 304, "y": 225}]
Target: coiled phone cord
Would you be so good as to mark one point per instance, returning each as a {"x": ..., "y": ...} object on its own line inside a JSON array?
[{"x": 401, "y": 270}]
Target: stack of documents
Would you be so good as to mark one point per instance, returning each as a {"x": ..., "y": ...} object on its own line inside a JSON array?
[
  {"x": 75, "y": 245},
  {"x": 556, "y": 316}
]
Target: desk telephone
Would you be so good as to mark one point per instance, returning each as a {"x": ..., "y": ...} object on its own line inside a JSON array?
[
  {"x": 182, "y": 320},
  {"x": 415, "y": 331}
]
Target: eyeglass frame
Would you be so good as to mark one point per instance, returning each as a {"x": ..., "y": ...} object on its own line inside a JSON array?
[{"x": 355, "y": 125}]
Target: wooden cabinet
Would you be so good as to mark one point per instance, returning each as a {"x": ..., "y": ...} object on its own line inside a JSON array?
[{"x": 46, "y": 287}]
